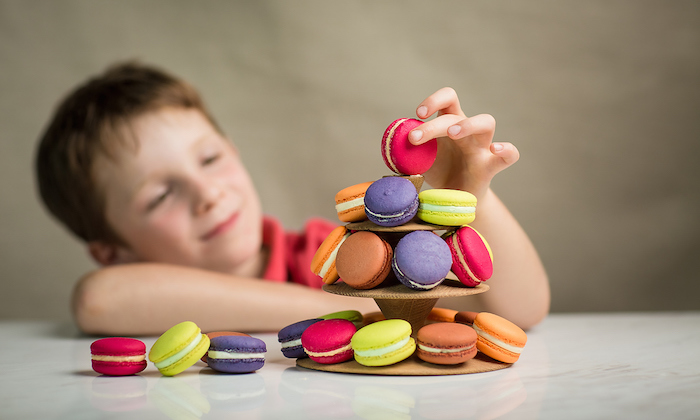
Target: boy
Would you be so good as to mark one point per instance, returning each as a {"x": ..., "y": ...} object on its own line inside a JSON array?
[{"x": 133, "y": 163}]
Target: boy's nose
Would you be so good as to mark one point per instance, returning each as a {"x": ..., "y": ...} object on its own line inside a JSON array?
[{"x": 208, "y": 194}]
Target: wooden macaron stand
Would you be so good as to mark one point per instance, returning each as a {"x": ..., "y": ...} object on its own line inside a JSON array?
[{"x": 397, "y": 301}]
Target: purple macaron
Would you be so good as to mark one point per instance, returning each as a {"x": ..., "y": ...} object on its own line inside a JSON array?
[
  {"x": 421, "y": 260},
  {"x": 391, "y": 201},
  {"x": 290, "y": 337},
  {"x": 236, "y": 354}
]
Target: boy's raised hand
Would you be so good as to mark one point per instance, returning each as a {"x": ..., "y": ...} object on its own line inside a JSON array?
[{"x": 467, "y": 159}]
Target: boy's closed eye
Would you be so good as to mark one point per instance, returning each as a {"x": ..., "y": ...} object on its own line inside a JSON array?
[
  {"x": 160, "y": 198},
  {"x": 211, "y": 159}
]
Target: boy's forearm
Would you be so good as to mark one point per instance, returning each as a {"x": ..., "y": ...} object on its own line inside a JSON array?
[
  {"x": 147, "y": 299},
  {"x": 519, "y": 289}
]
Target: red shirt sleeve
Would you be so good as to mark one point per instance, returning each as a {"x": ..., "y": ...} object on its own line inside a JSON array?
[{"x": 290, "y": 253}]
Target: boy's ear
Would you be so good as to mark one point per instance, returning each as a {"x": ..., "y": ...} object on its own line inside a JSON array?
[{"x": 108, "y": 254}]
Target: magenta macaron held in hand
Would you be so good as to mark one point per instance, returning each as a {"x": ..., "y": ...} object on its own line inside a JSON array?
[{"x": 402, "y": 156}]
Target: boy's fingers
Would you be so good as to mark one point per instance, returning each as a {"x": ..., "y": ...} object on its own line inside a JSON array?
[
  {"x": 444, "y": 101},
  {"x": 481, "y": 126},
  {"x": 434, "y": 128},
  {"x": 505, "y": 154}
]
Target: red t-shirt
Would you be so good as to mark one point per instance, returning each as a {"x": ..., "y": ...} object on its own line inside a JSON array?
[{"x": 291, "y": 253}]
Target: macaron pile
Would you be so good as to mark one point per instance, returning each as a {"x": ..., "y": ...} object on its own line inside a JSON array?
[
  {"x": 449, "y": 338},
  {"x": 178, "y": 349},
  {"x": 387, "y": 251}
]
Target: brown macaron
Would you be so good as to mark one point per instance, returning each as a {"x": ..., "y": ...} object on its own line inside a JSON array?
[
  {"x": 364, "y": 260},
  {"x": 446, "y": 343},
  {"x": 466, "y": 317}
]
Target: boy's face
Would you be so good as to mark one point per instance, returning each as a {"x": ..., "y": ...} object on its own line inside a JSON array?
[{"x": 184, "y": 197}]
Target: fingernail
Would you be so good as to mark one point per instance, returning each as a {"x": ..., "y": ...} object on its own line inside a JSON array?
[
  {"x": 422, "y": 111},
  {"x": 497, "y": 147},
  {"x": 415, "y": 136},
  {"x": 454, "y": 130}
]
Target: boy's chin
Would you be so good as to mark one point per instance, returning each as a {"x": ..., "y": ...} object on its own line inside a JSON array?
[{"x": 242, "y": 264}]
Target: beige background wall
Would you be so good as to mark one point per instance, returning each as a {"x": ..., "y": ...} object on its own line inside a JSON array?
[{"x": 602, "y": 99}]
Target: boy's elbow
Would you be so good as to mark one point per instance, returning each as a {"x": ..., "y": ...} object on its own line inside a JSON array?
[
  {"x": 90, "y": 305},
  {"x": 537, "y": 312}
]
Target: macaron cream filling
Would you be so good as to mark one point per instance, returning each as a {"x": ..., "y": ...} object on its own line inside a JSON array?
[
  {"x": 329, "y": 353},
  {"x": 107, "y": 358},
  {"x": 402, "y": 213},
  {"x": 439, "y": 350},
  {"x": 447, "y": 209},
  {"x": 387, "y": 145},
  {"x": 179, "y": 355},
  {"x": 383, "y": 350},
  {"x": 500, "y": 343},
  {"x": 216, "y": 354},
  {"x": 413, "y": 283},
  {"x": 347, "y": 205},
  {"x": 331, "y": 258},
  {"x": 291, "y": 343}
]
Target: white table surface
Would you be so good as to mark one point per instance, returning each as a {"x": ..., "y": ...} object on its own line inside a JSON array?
[{"x": 579, "y": 366}]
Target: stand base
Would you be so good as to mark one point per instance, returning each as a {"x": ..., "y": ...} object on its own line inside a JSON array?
[{"x": 413, "y": 366}]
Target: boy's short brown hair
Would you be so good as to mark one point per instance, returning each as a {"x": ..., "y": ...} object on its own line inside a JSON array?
[{"x": 94, "y": 120}]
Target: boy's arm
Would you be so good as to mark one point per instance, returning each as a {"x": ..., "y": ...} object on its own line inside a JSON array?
[
  {"x": 147, "y": 299},
  {"x": 468, "y": 160}
]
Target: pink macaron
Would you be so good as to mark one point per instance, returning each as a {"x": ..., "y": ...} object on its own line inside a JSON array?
[
  {"x": 472, "y": 260},
  {"x": 402, "y": 156},
  {"x": 328, "y": 341},
  {"x": 118, "y": 356}
]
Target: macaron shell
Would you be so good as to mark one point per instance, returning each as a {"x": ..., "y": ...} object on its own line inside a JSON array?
[
  {"x": 450, "y": 204},
  {"x": 351, "y": 315},
  {"x": 400, "y": 155},
  {"x": 173, "y": 341},
  {"x": 351, "y": 193},
  {"x": 237, "y": 344},
  {"x": 328, "y": 251},
  {"x": 500, "y": 329},
  {"x": 328, "y": 336},
  {"x": 450, "y": 337},
  {"x": 364, "y": 260},
  {"x": 472, "y": 259},
  {"x": 379, "y": 335},
  {"x": 118, "y": 368},
  {"x": 422, "y": 260},
  {"x": 391, "y": 201}
]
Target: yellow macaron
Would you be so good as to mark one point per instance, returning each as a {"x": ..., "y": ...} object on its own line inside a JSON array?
[
  {"x": 446, "y": 207},
  {"x": 179, "y": 348},
  {"x": 383, "y": 343}
]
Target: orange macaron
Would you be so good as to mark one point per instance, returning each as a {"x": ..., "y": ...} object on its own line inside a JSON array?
[
  {"x": 350, "y": 203},
  {"x": 499, "y": 338},
  {"x": 323, "y": 262},
  {"x": 442, "y": 315}
]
